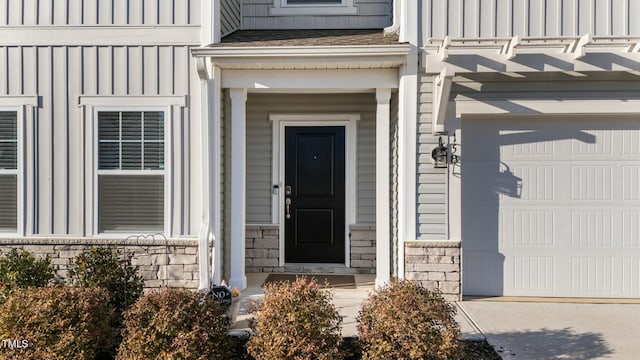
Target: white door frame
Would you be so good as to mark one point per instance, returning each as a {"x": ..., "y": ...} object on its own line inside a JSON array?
[{"x": 279, "y": 122}]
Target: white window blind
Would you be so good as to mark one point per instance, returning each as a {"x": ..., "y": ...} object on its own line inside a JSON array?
[
  {"x": 131, "y": 171},
  {"x": 8, "y": 171}
]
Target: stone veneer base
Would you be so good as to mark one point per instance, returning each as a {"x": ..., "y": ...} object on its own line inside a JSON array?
[
  {"x": 262, "y": 253},
  {"x": 160, "y": 262},
  {"x": 435, "y": 264}
]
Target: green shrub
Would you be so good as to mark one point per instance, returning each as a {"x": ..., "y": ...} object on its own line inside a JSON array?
[
  {"x": 102, "y": 266},
  {"x": 60, "y": 322},
  {"x": 20, "y": 269},
  {"x": 175, "y": 324},
  {"x": 404, "y": 320},
  {"x": 295, "y": 321}
]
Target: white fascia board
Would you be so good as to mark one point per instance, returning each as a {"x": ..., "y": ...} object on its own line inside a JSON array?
[
  {"x": 100, "y": 35},
  {"x": 311, "y": 79},
  {"x": 302, "y": 51},
  {"x": 546, "y": 107}
]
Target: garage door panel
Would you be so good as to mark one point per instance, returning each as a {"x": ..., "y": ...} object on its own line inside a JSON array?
[
  {"x": 529, "y": 275},
  {"x": 487, "y": 190},
  {"x": 571, "y": 227},
  {"x": 592, "y": 275},
  {"x": 484, "y": 218},
  {"x": 591, "y": 229},
  {"x": 591, "y": 182},
  {"x": 483, "y": 272},
  {"x": 631, "y": 230},
  {"x": 526, "y": 228},
  {"x": 601, "y": 144},
  {"x": 630, "y": 181},
  {"x": 631, "y": 275},
  {"x": 533, "y": 182}
]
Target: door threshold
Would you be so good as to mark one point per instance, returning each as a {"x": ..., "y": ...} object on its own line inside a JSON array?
[{"x": 318, "y": 268}]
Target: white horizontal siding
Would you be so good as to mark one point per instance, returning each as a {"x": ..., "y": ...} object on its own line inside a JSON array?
[
  {"x": 431, "y": 187},
  {"x": 505, "y": 18},
  {"x": 59, "y": 75},
  {"x": 372, "y": 14},
  {"x": 99, "y": 12},
  {"x": 259, "y": 146},
  {"x": 229, "y": 16}
]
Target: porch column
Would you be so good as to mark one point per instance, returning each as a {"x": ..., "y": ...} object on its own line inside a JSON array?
[
  {"x": 210, "y": 268},
  {"x": 383, "y": 248},
  {"x": 238, "y": 186}
]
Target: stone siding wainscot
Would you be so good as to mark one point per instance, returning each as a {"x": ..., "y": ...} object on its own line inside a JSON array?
[
  {"x": 435, "y": 264},
  {"x": 160, "y": 262},
  {"x": 263, "y": 254},
  {"x": 261, "y": 249},
  {"x": 363, "y": 248}
]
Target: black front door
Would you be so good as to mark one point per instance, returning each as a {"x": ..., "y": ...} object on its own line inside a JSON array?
[{"x": 314, "y": 212}]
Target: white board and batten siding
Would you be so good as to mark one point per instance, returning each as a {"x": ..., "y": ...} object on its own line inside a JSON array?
[
  {"x": 371, "y": 14},
  {"x": 529, "y": 18},
  {"x": 95, "y": 12},
  {"x": 259, "y": 153},
  {"x": 61, "y": 74}
]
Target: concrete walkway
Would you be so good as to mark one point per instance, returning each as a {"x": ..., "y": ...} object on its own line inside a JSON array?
[
  {"x": 533, "y": 330},
  {"x": 348, "y": 302}
]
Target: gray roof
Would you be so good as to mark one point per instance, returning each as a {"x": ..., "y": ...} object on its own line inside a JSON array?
[{"x": 308, "y": 38}]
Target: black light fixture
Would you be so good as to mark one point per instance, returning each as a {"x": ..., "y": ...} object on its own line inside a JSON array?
[{"x": 439, "y": 155}]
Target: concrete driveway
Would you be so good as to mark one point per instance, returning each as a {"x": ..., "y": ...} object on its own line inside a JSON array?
[{"x": 533, "y": 330}]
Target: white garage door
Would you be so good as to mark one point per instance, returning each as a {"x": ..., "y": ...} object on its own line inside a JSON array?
[{"x": 551, "y": 207}]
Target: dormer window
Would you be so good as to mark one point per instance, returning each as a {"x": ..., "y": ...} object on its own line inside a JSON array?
[{"x": 313, "y": 7}]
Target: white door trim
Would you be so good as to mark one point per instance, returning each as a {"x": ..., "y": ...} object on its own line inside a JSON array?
[{"x": 279, "y": 122}]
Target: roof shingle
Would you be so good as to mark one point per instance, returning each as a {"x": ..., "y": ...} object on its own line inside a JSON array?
[{"x": 332, "y": 37}]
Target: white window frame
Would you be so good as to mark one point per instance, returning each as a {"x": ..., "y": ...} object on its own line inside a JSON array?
[
  {"x": 350, "y": 123},
  {"x": 165, "y": 172},
  {"x": 19, "y": 171},
  {"x": 89, "y": 105},
  {"x": 283, "y": 8}
]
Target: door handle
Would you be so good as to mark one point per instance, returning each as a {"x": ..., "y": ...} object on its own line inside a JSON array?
[{"x": 287, "y": 203}]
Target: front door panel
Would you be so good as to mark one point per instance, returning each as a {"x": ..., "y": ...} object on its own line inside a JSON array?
[{"x": 314, "y": 194}]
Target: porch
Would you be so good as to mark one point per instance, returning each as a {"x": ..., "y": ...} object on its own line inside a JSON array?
[{"x": 300, "y": 163}]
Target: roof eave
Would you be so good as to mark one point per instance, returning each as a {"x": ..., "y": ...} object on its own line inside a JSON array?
[{"x": 302, "y": 51}]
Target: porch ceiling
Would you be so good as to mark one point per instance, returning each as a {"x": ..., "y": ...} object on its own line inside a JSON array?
[{"x": 306, "y": 50}]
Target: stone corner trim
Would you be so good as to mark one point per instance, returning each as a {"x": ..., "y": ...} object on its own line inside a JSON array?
[{"x": 435, "y": 264}]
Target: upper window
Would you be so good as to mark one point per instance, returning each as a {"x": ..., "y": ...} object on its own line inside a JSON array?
[
  {"x": 313, "y": 7},
  {"x": 8, "y": 172},
  {"x": 131, "y": 171}
]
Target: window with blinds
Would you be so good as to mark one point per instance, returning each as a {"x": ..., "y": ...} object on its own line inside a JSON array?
[
  {"x": 130, "y": 171},
  {"x": 8, "y": 172}
]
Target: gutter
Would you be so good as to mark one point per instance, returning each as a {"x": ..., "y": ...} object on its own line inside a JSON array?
[
  {"x": 302, "y": 51},
  {"x": 395, "y": 25}
]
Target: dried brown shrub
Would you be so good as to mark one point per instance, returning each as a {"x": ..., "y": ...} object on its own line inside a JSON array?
[
  {"x": 404, "y": 320},
  {"x": 61, "y": 322},
  {"x": 295, "y": 320},
  {"x": 175, "y": 324}
]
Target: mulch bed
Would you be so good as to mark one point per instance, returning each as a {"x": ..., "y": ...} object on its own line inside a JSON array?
[{"x": 473, "y": 350}]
